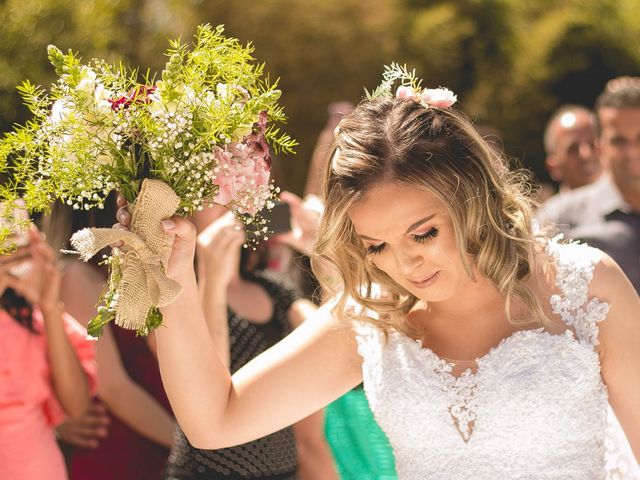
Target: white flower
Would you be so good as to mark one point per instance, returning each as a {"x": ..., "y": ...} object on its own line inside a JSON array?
[
  {"x": 171, "y": 106},
  {"x": 187, "y": 94},
  {"x": 210, "y": 99},
  {"x": 101, "y": 97},
  {"x": 160, "y": 104},
  {"x": 101, "y": 93},
  {"x": 155, "y": 95},
  {"x": 61, "y": 110},
  {"x": 87, "y": 83},
  {"x": 222, "y": 89}
]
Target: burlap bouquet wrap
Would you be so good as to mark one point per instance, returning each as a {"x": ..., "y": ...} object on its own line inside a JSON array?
[{"x": 146, "y": 249}]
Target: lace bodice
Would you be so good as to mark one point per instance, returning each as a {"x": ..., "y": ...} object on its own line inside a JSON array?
[{"x": 534, "y": 406}]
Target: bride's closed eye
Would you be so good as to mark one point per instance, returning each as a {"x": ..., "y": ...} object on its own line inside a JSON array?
[{"x": 429, "y": 234}]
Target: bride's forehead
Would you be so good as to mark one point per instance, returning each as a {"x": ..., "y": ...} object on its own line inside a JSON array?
[
  {"x": 393, "y": 205},
  {"x": 397, "y": 195}
]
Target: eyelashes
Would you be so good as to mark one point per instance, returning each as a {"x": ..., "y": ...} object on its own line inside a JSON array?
[
  {"x": 430, "y": 234},
  {"x": 374, "y": 249}
]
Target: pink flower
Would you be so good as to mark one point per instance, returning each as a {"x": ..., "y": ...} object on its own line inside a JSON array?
[
  {"x": 438, "y": 97},
  {"x": 243, "y": 170},
  {"x": 242, "y": 175},
  {"x": 225, "y": 194},
  {"x": 225, "y": 177},
  {"x": 405, "y": 92}
]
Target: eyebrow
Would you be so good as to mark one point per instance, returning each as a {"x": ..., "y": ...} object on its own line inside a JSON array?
[{"x": 412, "y": 227}]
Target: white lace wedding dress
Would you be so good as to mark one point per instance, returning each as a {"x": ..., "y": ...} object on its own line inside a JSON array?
[{"x": 534, "y": 407}]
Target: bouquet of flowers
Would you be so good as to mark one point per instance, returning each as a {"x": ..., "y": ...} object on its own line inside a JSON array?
[{"x": 197, "y": 135}]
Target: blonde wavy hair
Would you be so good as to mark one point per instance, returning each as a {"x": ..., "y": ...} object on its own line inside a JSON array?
[{"x": 399, "y": 140}]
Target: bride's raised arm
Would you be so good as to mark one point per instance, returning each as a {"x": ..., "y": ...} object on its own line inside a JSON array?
[{"x": 308, "y": 369}]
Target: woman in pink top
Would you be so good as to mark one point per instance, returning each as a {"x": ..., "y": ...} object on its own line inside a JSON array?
[{"x": 46, "y": 364}]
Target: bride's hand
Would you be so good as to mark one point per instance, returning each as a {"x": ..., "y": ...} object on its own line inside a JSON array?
[{"x": 180, "y": 262}]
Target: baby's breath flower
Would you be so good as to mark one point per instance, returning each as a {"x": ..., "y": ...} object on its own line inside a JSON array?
[{"x": 201, "y": 130}]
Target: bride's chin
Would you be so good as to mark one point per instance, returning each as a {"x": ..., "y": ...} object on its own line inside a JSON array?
[{"x": 431, "y": 295}]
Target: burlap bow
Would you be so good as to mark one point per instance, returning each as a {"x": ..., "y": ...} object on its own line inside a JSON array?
[{"x": 146, "y": 250}]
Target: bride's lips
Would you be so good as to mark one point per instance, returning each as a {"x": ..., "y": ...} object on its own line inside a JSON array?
[{"x": 426, "y": 281}]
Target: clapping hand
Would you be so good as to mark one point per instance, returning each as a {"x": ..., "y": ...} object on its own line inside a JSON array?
[
  {"x": 9, "y": 263},
  {"x": 87, "y": 430},
  {"x": 305, "y": 219},
  {"x": 218, "y": 248},
  {"x": 40, "y": 284}
]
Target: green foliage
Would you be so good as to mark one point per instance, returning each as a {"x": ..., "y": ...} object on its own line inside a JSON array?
[
  {"x": 510, "y": 62},
  {"x": 95, "y": 27},
  {"x": 201, "y": 129},
  {"x": 438, "y": 40},
  {"x": 100, "y": 129},
  {"x": 392, "y": 74},
  {"x": 106, "y": 309}
]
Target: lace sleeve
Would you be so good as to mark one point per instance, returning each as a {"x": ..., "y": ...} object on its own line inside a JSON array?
[{"x": 575, "y": 264}]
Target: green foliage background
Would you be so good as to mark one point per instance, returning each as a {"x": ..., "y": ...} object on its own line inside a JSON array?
[{"x": 511, "y": 62}]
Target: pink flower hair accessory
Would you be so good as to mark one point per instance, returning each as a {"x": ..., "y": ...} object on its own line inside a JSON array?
[
  {"x": 410, "y": 88},
  {"x": 429, "y": 97},
  {"x": 405, "y": 91},
  {"x": 438, "y": 97}
]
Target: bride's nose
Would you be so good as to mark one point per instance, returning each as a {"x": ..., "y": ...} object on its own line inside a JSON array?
[{"x": 407, "y": 260}]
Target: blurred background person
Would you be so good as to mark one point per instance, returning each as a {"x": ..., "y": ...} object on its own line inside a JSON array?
[
  {"x": 247, "y": 310},
  {"x": 128, "y": 430},
  {"x": 46, "y": 364},
  {"x": 606, "y": 214},
  {"x": 322, "y": 148},
  {"x": 569, "y": 143}
]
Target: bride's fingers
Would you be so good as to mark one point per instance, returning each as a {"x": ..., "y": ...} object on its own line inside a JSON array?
[
  {"x": 184, "y": 245},
  {"x": 10, "y": 281},
  {"x": 40, "y": 249},
  {"x": 182, "y": 228},
  {"x": 41, "y": 252},
  {"x": 291, "y": 198},
  {"x": 121, "y": 201},
  {"x": 123, "y": 216}
]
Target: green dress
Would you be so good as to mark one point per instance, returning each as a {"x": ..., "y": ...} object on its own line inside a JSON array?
[{"x": 360, "y": 447}]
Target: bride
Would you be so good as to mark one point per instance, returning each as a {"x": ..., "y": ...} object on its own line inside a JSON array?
[{"x": 493, "y": 352}]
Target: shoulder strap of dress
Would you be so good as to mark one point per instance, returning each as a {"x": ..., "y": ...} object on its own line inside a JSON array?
[{"x": 575, "y": 264}]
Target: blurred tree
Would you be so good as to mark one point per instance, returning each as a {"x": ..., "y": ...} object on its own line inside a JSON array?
[
  {"x": 95, "y": 28},
  {"x": 512, "y": 62},
  {"x": 434, "y": 39}
]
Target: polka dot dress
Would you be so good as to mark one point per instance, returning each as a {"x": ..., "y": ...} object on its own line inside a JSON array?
[{"x": 270, "y": 458}]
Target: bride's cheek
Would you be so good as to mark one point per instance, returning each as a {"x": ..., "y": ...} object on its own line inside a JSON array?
[{"x": 384, "y": 266}]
